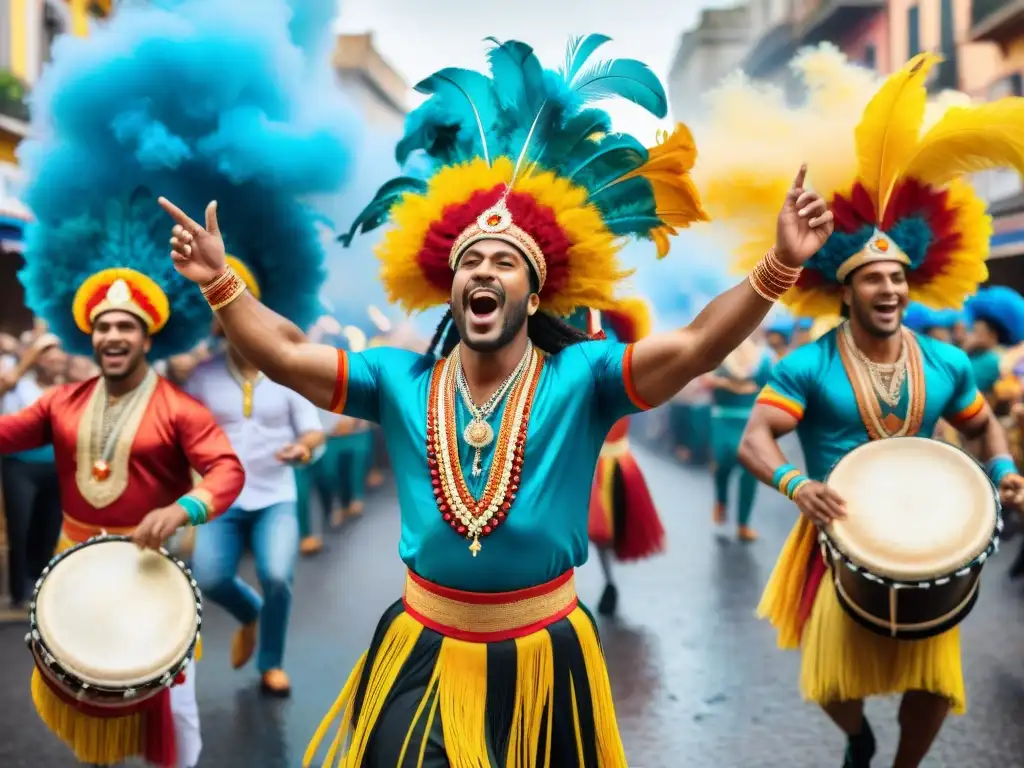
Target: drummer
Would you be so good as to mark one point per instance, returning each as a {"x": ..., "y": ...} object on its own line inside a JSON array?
[{"x": 869, "y": 379}]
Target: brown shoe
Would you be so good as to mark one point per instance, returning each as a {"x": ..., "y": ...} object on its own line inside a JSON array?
[
  {"x": 375, "y": 478},
  {"x": 311, "y": 545},
  {"x": 746, "y": 533},
  {"x": 275, "y": 682},
  {"x": 243, "y": 644},
  {"x": 718, "y": 514},
  {"x": 354, "y": 509}
]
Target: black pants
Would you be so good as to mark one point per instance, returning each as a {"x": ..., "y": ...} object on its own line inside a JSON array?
[{"x": 33, "y": 511}]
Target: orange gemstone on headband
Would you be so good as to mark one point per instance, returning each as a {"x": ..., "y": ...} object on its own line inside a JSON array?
[
  {"x": 882, "y": 245},
  {"x": 493, "y": 220}
]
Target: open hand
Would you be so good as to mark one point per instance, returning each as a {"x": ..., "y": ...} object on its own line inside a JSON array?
[
  {"x": 197, "y": 252},
  {"x": 1011, "y": 491},
  {"x": 804, "y": 224},
  {"x": 159, "y": 525},
  {"x": 820, "y": 504}
]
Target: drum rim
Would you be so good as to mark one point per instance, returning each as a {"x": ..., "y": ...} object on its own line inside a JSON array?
[
  {"x": 829, "y": 546},
  {"x": 163, "y": 680}
]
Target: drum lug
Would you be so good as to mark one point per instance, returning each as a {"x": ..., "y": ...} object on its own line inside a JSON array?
[{"x": 130, "y": 693}]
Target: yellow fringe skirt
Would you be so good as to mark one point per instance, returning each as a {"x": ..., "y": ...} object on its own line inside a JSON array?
[
  {"x": 470, "y": 680},
  {"x": 840, "y": 659},
  {"x": 93, "y": 740}
]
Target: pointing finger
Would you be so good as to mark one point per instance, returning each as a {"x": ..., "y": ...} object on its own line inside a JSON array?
[
  {"x": 179, "y": 215},
  {"x": 211, "y": 218},
  {"x": 798, "y": 182}
]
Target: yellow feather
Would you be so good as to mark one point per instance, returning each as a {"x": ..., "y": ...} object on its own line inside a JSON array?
[
  {"x": 890, "y": 128},
  {"x": 971, "y": 139}
]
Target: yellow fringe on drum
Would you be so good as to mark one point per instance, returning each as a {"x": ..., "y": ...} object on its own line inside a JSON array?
[
  {"x": 843, "y": 661},
  {"x": 458, "y": 690},
  {"x": 96, "y": 740},
  {"x": 780, "y": 603}
]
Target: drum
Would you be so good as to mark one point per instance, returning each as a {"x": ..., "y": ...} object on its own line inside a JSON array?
[
  {"x": 112, "y": 625},
  {"x": 922, "y": 519}
]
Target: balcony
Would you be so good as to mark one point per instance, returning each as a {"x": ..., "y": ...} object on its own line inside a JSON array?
[
  {"x": 771, "y": 51},
  {"x": 997, "y": 21},
  {"x": 831, "y": 19}
]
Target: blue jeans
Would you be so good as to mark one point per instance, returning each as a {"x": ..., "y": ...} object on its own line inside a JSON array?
[{"x": 273, "y": 535}]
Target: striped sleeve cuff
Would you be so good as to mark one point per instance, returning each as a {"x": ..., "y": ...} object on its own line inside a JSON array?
[
  {"x": 970, "y": 411},
  {"x": 776, "y": 399},
  {"x": 340, "y": 397}
]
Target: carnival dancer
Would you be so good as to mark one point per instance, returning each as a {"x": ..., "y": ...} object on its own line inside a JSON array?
[
  {"x": 488, "y": 649},
  {"x": 778, "y": 335},
  {"x": 736, "y": 384},
  {"x": 624, "y": 522},
  {"x": 907, "y": 224},
  {"x": 996, "y": 316},
  {"x": 938, "y": 324},
  {"x": 273, "y": 429},
  {"x": 124, "y": 443}
]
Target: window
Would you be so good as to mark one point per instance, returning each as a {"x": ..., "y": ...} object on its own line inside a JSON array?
[
  {"x": 870, "y": 56},
  {"x": 948, "y": 76},
  {"x": 53, "y": 27},
  {"x": 913, "y": 31}
]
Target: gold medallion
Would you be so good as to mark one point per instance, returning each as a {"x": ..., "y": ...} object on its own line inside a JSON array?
[
  {"x": 478, "y": 434},
  {"x": 100, "y": 470}
]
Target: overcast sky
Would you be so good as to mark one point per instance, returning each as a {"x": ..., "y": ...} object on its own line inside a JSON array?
[{"x": 418, "y": 37}]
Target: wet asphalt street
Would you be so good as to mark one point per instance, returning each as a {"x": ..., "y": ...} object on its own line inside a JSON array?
[{"x": 698, "y": 681}]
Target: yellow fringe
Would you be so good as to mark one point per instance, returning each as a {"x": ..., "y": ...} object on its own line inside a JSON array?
[
  {"x": 458, "y": 690},
  {"x": 842, "y": 660},
  {"x": 780, "y": 603},
  {"x": 95, "y": 740}
]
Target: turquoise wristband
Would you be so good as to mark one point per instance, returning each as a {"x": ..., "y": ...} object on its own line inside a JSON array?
[
  {"x": 999, "y": 467},
  {"x": 792, "y": 485},
  {"x": 194, "y": 508},
  {"x": 780, "y": 473}
]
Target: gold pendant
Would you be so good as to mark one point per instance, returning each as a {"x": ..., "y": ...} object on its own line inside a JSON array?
[
  {"x": 476, "y": 546},
  {"x": 478, "y": 434},
  {"x": 100, "y": 470}
]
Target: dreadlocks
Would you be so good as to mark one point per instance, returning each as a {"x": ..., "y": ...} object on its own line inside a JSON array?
[{"x": 549, "y": 334}]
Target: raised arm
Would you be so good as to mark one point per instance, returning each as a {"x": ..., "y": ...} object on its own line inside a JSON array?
[
  {"x": 664, "y": 363},
  {"x": 276, "y": 346},
  {"x": 28, "y": 428}
]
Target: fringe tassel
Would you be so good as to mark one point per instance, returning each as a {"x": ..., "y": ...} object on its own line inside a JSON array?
[
  {"x": 95, "y": 740},
  {"x": 843, "y": 661},
  {"x": 642, "y": 534},
  {"x": 780, "y": 603}
]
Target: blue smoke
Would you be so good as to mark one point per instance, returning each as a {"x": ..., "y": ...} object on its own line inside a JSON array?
[{"x": 195, "y": 100}]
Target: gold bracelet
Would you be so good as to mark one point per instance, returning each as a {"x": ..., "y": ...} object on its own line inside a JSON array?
[
  {"x": 770, "y": 278},
  {"x": 799, "y": 487}
]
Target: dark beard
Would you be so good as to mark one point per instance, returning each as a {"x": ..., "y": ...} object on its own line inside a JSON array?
[
  {"x": 511, "y": 324},
  {"x": 863, "y": 317}
]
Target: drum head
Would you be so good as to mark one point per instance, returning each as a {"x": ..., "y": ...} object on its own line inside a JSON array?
[
  {"x": 116, "y": 616},
  {"x": 917, "y": 509}
]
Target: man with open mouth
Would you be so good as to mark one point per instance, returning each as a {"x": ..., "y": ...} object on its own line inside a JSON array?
[
  {"x": 906, "y": 228},
  {"x": 489, "y": 659}
]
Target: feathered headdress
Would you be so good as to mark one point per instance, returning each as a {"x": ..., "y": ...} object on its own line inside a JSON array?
[
  {"x": 195, "y": 100},
  {"x": 897, "y": 191},
  {"x": 521, "y": 157},
  {"x": 1003, "y": 309}
]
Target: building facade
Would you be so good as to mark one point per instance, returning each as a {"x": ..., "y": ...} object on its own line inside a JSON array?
[
  {"x": 706, "y": 54},
  {"x": 379, "y": 92}
]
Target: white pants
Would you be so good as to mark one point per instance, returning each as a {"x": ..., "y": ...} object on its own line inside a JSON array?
[{"x": 185, "y": 712}]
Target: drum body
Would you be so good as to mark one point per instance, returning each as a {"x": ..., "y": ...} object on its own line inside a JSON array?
[
  {"x": 922, "y": 519},
  {"x": 112, "y": 626}
]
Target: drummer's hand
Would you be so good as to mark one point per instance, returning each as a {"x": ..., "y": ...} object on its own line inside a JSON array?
[
  {"x": 294, "y": 453},
  {"x": 820, "y": 504},
  {"x": 159, "y": 525},
  {"x": 1011, "y": 491}
]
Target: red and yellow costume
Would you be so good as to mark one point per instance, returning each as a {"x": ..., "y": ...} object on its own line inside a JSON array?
[
  {"x": 165, "y": 435},
  {"x": 623, "y": 517}
]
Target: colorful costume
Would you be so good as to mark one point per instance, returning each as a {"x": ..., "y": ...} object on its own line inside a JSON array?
[
  {"x": 623, "y": 519},
  {"x": 1002, "y": 309},
  {"x": 749, "y": 364},
  {"x": 111, "y": 483},
  {"x": 489, "y": 659},
  {"x": 897, "y": 196}
]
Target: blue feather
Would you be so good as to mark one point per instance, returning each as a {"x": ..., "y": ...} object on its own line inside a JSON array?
[
  {"x": 443, "y": 135},
  {"x": 624, "y": 78},
  {"x": 376, "y": 212},
  {"x": 470, "y": 90},
  {"x": 568, "y": 135},
  {"x": 579, "y": 51},
  {"x": 518, "y": 77},
  {"x": 614, "y": 156},
  {"x": 1002, "y": 308}
]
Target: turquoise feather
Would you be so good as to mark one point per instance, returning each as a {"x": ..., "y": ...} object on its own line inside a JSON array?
[
  {"x": 376, "y": 213},
  {"x": 464, "y": 89},
  {"x": 626, "y": 79},
  {"x": 579, "y": 52},
  {"x": 613, "y": 156}
]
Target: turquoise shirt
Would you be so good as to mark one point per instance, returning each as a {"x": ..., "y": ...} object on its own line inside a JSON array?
[
  {"x": 986, "y": 369},
  {"x": 580, "y": 395},
  {"x": 726, "y": 404},
  {"x": 811, "y": 384}
]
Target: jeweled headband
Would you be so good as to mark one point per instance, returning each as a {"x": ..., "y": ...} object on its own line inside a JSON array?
[{"x": 496, "y": 224}]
